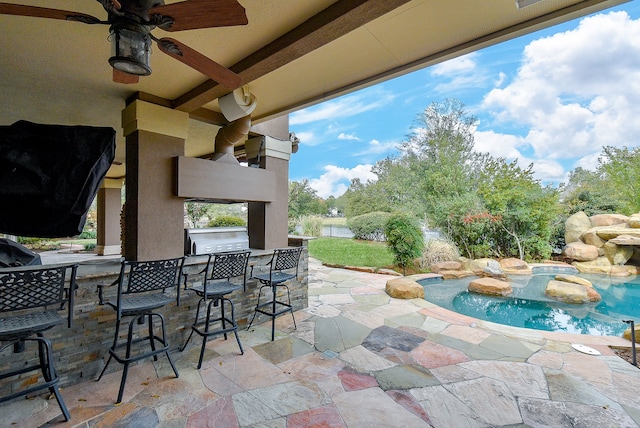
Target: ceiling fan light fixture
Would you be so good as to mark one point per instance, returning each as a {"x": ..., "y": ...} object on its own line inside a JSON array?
[{"x": 130, "y": 48}]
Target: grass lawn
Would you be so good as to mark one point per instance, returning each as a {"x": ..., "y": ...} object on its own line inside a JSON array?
[
  {"x": 350, "y": 252},
  {"x": 334, "y": 221}
]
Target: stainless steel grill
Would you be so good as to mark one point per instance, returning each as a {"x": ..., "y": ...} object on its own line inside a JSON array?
[{"x": 215, "y": 240}]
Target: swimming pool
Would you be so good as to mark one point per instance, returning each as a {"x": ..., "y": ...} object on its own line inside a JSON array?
[{"x": 528, "y": 306}]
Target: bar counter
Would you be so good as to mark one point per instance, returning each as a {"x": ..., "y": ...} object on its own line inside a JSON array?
[{"x": 80, "y": 352}]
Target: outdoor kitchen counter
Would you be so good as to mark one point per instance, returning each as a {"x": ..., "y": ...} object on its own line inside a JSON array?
[{"x": 80, "y": 352}]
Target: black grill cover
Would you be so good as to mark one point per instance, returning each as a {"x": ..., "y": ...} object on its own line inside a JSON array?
[
  {"x": 49, "y": 175},
  {"x": 13, "y": 254}
]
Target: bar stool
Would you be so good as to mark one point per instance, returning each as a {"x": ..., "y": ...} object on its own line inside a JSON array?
[
  {"x": 142, "y": 288},
  {"x": 220, "y": 268},
  {"x": 282, "y": 265},
  {"x": 41, "y": 288}
]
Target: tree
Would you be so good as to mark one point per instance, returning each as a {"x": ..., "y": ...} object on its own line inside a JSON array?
[
  {"x": 195, "y": 211},
  {"x": 303, "y": 200},
  {"x": 404, "y": 238},
  {"x": 587, "y": 191},
  {"x": 440, "y": 152},
  {"x": 487, "y": 206},
  {"x": 526, "y": 209},
  {"x": 620, "y": 171}
]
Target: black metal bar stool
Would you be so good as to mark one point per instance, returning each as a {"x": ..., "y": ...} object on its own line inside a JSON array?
[
  {"x": 42, "y": 288},
  {"x": 142, "y": 288},
  {"x": 283, "y": 266},
  {"x": 220, "y": 268}
]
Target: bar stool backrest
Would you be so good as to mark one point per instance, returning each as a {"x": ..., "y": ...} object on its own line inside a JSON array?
[
  {"x": 286, "y": 258},
  {"x": 38, "y": 286},
  {"x": 155, "y": 275},
  {"x": 228, "y": 265}
]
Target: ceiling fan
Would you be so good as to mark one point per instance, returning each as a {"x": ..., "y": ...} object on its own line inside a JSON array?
[{"x": 131, "y": 23}]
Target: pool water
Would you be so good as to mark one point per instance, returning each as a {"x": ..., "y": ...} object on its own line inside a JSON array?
[{"x": 528, "y": 306}]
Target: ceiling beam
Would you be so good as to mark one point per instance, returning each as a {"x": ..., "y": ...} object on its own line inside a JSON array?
[{"x": 333, "y": 22}]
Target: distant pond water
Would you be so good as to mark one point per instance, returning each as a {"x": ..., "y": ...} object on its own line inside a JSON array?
[{"x": 345, "y": 232}]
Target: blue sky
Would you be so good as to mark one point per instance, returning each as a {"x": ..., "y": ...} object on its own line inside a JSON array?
[{"x": 553, "y": 98}]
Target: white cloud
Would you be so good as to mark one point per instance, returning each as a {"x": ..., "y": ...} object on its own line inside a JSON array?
[
  {"x": 336, "y": 180},
  {"x": 352, "y": 137},
  {"x": 577, "y": 91},
  {"x": 375, "y": 147},
  {"x": 307, "y": 138},
  {"x": 589, "y": 162},
  {"x": 464, "y": 64},
  {"x": 545, "y": 170},
  {"x": 498, "y": 145},
  {"x": 342, "y": 107},
  {"x": 461, "y": 72}
]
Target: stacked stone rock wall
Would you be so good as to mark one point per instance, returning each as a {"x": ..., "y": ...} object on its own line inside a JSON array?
[{"x": 604, "y": 244}]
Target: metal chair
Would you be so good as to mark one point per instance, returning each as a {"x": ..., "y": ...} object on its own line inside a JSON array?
[
  {"x": 220, "y": 268},
  {"x": 281, "y": 269},
  {"x": 36, "y": 295},
  {"x": 142, "y": 288}
]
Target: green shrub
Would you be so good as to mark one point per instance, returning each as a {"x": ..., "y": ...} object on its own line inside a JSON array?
[
  {"x": 438, "y": 250},
  {"x": 291, "y": 226},
  {"x": 39, "y": 244},
  {"x": 226, "y": 220},
  {"x": 404, "y": 238},
  {"x": 88, "y": 234},
  {"x": 311, "y": 225},
  {"x": 90, "y": 246},
  {"x": 369, "y": 226}
]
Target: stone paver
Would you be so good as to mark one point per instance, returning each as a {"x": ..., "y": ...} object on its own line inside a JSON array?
[{"x": 362, "y": 359}]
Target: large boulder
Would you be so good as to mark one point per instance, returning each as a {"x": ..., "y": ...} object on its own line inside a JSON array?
[
  {"x": 593, "y": 295},
  {"x": 636, "y": 329},
  {"x": 573, "y": 279},
  {"x": 490, "y": 286},
  {"x": 513, "y": 266},
  {"x": 625, "y": 240},
  {"x": 622, "y": 271},
  {"x": 634, "y": 221},
  {"x": 455, "y": 274},
  {"x": 612, "y": 232},
  {"x": 567, "y": 292},
  {"x": 608, "y": 219},
  {"x": 580, "y": 251},
  {"x": 617, "y": 255},
  {"x": 404, "y": 288},
  {"x": 449, "y": 265},
  {"x": 600, "y": 266},
  {"x": 575, "y": 226},
  {"x": 591, "y": 237},
  {"x": 478, "y": 265}
]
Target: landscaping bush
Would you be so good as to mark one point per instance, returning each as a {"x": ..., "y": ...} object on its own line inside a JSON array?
[
  {"x": 38, "y": 244},
  {"x": 369, "y": 226},
  {"x": 438, "y": 250},
  {"x": 404, "y": 238},
  {"x": 88, "y": 234},
  {"x": 226, "y": 221},
  {"x": 311, "y": 225}
]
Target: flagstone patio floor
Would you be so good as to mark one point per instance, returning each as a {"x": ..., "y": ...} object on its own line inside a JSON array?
[{"x": 359, "y": 358}]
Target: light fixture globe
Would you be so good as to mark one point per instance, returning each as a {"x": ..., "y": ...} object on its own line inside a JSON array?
[{"x": 130, "y": 48}]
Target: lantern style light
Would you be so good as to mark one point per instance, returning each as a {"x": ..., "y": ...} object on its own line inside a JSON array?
[{"x": 130, "y": 48}]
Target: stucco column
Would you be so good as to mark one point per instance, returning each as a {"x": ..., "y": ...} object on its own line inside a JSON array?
[
  {"x": 268, "y": 221},
  {"x": 109, "y": 202},
  {"x": 154, "y": 216}
]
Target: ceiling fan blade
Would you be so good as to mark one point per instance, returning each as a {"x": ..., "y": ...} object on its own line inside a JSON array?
[
  {"x": 43, "y": 12},
  {"x": 197, "y": 61},
  {"x": 193, "y": 14},
  {"x": 122, "y": 77}
]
